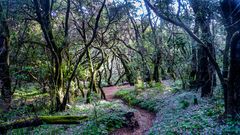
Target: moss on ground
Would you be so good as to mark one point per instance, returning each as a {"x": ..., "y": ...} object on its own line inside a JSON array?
[{"x": 103, "y": 118}]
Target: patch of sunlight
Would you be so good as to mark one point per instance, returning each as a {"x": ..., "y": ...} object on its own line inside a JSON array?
[{"x": 84, "y": 106}]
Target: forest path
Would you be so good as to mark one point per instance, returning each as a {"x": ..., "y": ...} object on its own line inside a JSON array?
[{"x": 143, "y": 117}]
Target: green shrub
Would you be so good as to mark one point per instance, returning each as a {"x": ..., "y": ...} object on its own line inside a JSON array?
[
  {"x": 184, "y": 104},
  {"x": 159, "y": 86},
  {"x": 135, "y": 99},
  {"x": 139, "y": 85}
]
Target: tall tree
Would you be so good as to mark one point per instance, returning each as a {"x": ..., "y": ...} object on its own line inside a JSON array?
[
  {"x": 157, "y": 41},
  {"x": 231, "y": 15},
  {"x": 43, "y": 9},
  {"x": 194, "y": 78},
  {"x": 203, "y": 16},
  {"x": 5, "y": 81}
]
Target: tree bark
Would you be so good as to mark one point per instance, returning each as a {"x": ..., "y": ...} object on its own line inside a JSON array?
[
  {"x": 157, "y": 53},
  {"x": 103, "y": 96},
  {"x": 205, "y": 69},
  {"x": 110, "y": 69},
  {"x": 233, "y": 94},
  {"x": 226, "y": 55},
  {"x": 230, "y": 14},
  {"x": 40, "y": 120},
  {"x": 5, "y": 81},
  {"x": 194, "y": 79}
]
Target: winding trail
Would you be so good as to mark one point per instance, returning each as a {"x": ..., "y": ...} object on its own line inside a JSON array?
[{"x": 143, "y": 117}]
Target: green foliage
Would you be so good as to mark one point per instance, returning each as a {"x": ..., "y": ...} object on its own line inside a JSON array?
[
  {"x": 150, "y": 84},
  {"x": 103, "y": 117},
  {"x": 129, "y": 96},
  {"x": 105, "y": 124},
  {"x": 177, "y": 86},
  {"x": 27, "y": 101},
  {"x": 28, "y": 91},
  {"x": 233, "y": 127},
  {"x": 138, "y": 99},
  {"x": 184, "y": 104},
  {"x": 159, "y": 86},
  {"x": 139, "y": 85},
  {"x": 149, "y": 104}
]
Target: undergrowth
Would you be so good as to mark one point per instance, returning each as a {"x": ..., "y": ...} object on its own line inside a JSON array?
[
  {"x": 104, "y": 117},
  {"x": 146, "y": 98},
  {"x": 182, "y": 112}
]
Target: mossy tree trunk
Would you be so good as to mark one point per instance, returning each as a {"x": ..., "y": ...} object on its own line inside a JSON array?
[
  {"x": 157, "y": 58},
  {"x": 110, "y": 69},
  {"x": 40, "y": 120},
  {"x": 205, "y": 69},
  {"x": 139, "y": 36},
  {"x": 128, "y": 71},
  {"x": 92, "y": 85},
  {"x": 43, "y": 12}
]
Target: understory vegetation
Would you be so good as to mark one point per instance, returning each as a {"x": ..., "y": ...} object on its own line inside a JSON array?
[
  {"x": 103, "y": 117},
  {"x": 182, "y": 112}
]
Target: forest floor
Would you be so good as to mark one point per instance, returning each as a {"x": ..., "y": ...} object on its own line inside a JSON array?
[
  {"x": 143, "y": 117},
  {"x": 162, "y": 109},
  {"x": 181, "y": 111}
]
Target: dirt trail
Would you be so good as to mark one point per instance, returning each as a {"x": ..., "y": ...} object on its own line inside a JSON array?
[{"x": 144, "y": 118}]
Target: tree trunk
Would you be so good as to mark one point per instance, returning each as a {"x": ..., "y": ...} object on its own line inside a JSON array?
[
  {"x": 233, "y": 94},
  {"x": 129, "y": 75},
  {"x": 110, "y": 69},
  {"x": 59, "y": 85},
  {"x": 79, "y": 87},
  {"x": 103, "y": 96},
  {"x": 157, "y": 55},
  {"x": 226, "y": 55},
  {"x": 206, "y": 70},
  {"x": 156, "y": 74},
  {"x": 204, "y": 74},
  {"x": 5, "y": 81},
  {"x": 157, "y": 62},
  {"x": 194, "y": 63},
  {"x": 92, "y": 85},
  {"x": 40, "y": 120},
  {"x": 230, "y": 14}
]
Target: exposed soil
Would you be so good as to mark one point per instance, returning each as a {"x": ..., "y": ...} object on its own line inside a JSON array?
[{"x": 143, "y": 117}]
